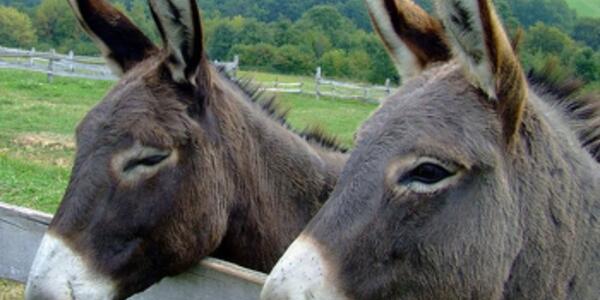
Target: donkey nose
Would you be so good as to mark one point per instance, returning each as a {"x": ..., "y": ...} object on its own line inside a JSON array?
[
  {"x": 58, "y": 273},
  {"x": 301, "y": 274}
]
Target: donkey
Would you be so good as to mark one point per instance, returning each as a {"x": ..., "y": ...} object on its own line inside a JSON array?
[
  {"x": 468, "y": 183},
  {"x": 176, "y": 163}
]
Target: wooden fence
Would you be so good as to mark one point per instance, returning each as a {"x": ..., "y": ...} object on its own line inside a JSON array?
[
  {"x": 21, "y": 231},
  {"x": 70, "y": 65},
  {"x": 331, "y": 88},
  {"x": 94, "y": 68}
]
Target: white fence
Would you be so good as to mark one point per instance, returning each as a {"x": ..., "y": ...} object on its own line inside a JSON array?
[
  {"x": 54, "y": 64},
  {"x": 71, "y": 65},
  {"x": 330, "y": 88},
  {"x": 346, "y": 90},
  {"x": 21, "y": 231}
]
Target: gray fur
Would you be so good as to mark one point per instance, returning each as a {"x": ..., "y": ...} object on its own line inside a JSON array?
[{"x": 521, "y": 218}]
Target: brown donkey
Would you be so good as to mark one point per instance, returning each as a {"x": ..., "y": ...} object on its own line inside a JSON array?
[
  {"x": 176, "y": 163},
  {"x": 466, "y": 184}
]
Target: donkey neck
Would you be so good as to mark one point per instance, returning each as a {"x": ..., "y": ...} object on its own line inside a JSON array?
[
  {"x": 281, "y": 181},
  {"x": 556, "y": 206}
]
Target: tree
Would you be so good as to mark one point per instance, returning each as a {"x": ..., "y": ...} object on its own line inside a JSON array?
[
  {"x": 555, "y": 12},
  {"x": 259, "y": 56},
  {"x": 587, "y": 30},
  {"x": 57, "y": 28},
  {"x": 548, "y": 40},
  {"x": 290, "y": 59},
  {"x": 587, "y": 64},
  {"x": 333, "y": 63},
  {"x": 329, "y": 21},
  {"x": 221, "y": 40},
  {"x": 16, "y": 29}
]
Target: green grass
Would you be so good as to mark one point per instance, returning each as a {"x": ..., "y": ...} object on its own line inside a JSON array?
[
  {"x": 339, "y": 117},
  {"x": 586, "y": 8}
]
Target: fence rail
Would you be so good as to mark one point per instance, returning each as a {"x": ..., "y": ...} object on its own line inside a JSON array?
[
  {"x": 21, "y": 231},
  {"x": 94, "y": 68}
]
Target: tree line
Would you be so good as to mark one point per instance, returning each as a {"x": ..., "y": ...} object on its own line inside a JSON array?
[{"x": 296, "y": 36}]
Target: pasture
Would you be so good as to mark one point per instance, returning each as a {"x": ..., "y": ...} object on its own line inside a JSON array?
[
  {"x": 38, "y": 119},
  {"x": 586, "y": 8}
]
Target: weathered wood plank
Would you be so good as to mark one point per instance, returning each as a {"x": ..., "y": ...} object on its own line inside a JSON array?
[{"x": 21, "y": 231}]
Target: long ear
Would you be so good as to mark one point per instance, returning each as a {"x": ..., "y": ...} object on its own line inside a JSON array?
[
  {"x": 180, "y": 28},
  {"x": 122, "y": 44},
  {"x": 413, "y": 38},
  {"x": 484, "y": 49}
]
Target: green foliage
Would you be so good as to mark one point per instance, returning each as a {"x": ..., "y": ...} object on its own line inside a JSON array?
[
  {"x": 548, "y": 40},
  {"x": 333, "y": 33},
  {"x": 291, "y": 60},
  {"x": 259, "y": 56},
  {"x": 587, "y": 64},
  {"x": 554, "y": 12},
  {"x": 16, "y": 29},
  {"x": 587, "y": 30},
  {"x": 57, "y": 28}
]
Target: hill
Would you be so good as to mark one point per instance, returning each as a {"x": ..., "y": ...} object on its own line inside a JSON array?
[{"x": 586, "y": 8}]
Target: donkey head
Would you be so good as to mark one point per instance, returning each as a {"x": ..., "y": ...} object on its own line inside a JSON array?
[
  {"x": 148, "y": 195},
  {"x": 424, "y": 208}
]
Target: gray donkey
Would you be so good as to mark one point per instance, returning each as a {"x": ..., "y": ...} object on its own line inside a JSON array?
[
  {"x": 176, "y": 163},
  {"x": 468, "y": 183}
]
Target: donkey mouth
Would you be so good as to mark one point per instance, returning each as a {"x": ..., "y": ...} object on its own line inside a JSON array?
[{"x": 60, "y": 273}]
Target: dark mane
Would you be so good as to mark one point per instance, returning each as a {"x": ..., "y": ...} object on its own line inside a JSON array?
[
  {"x": 269, "y": 104},
  {"x": 581, "y": 108}
]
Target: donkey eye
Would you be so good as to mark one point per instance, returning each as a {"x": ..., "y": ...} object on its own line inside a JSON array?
[
  {"x": 426, "y": 173},
  {"x": 149, "y": 161}
]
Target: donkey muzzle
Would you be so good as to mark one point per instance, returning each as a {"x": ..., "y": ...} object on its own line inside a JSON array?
[
  {"x": 301, "y": 274},
  {"x": 58, "y": 273}
]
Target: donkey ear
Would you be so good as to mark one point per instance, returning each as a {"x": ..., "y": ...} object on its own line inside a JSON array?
[
  {"x": 180, "y": 27},
  {"x": 484, "y": 49},
  {"x": 413, "y": 38},
  {"x": 122, "y": 44}
]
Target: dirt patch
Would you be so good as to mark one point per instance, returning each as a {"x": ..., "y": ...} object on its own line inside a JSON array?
[{"x": 45, "y": 140}]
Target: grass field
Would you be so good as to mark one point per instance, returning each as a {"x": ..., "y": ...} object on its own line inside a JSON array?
[
  {"x": 37, "y": 122},
  {"x": 586, "y": 8}
]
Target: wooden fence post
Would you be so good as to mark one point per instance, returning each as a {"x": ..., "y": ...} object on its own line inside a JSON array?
[
  {"x": 32, "y": 53},
  {"x": 71, "y": 58},
  {"x": 50, "y": 65},
  {"x": 388, "y": 89},
  {"x": 318, "y": 83},
  {"x": 236, "y": 65}
]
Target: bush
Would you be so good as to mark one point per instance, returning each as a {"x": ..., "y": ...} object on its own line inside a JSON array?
[
  {"x": 259, "y": 56},
  {"x": 290, "y": 59},
  {"x": 16, "y": 29}
]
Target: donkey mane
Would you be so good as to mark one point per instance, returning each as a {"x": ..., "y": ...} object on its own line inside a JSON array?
[
  {"x": 582, "y": 110},
  {"x": 270, "y": 104}
]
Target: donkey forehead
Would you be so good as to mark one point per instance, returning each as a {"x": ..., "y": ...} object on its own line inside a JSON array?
[
  {"x": 440, "y": 112},
  {"x": 136, "y": 109}
]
